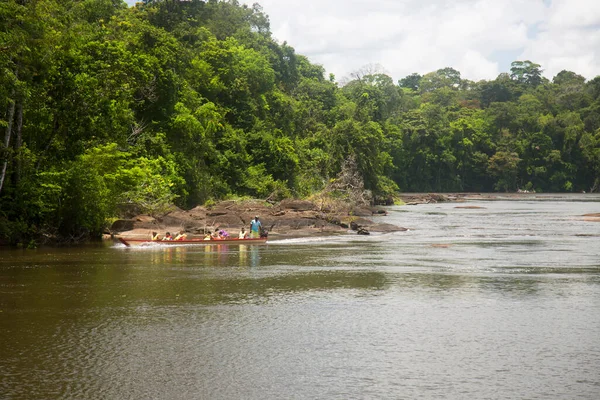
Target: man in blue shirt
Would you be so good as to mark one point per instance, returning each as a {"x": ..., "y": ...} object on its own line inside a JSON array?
[{"x": 255, "y": 226}]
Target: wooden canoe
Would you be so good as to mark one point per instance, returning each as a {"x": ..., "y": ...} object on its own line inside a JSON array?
[{"x": 147, "y": 242}]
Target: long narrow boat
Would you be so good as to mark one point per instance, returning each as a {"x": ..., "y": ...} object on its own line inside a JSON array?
[{"x": 147, "y": 242}]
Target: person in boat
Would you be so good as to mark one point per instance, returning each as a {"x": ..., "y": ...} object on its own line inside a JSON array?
[
  {"x": 224, "y": 234},
  {"x": 255, "y": 226},
  {"x": 154, "y": 236},
  {"x": 216, "y": 235},
  {"x": 181, "y": 235},
  {"x": 243, "y": 234},
  {"x": 168, "y": 236},
  {"x": 208, "y": 236}
]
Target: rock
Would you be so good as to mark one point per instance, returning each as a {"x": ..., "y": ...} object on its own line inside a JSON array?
[
  {"x": 386, "y": 228},
  {"x": 437, "y": 198},
  {"x": 362, "y": 212},
  {"x": 216, "y": 213},
  {"x": 359, "y": 223},
  {"x": 293, "y": 218},
  {"x": 297, "y": 205},
  {"x": 145, "y": 218},
  {"x": 226, "y": 221},
  {"x": 122, "y": 225},
  {"x": 362, "y": 231}
]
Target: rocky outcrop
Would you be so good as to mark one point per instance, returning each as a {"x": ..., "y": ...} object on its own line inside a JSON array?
[
  {"x": 289, "y": 218},
  {"x": 424, "y": 198}
]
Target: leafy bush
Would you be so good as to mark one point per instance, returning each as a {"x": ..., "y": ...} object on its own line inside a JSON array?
[{"x": 103, "y": 183}]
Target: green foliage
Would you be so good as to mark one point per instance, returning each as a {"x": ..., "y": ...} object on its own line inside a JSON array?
[
  {"x": 102, "y": 183},
  {"x": 261, "y": 185},
  {"x": 503, "y": 165},
  {"x": 110, "y": 111},
  {"x": 526, "y": 72},
  {"x": 411, "y": 81}
]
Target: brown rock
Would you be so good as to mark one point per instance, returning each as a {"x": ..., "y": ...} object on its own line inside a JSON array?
[
  {"x": 297, "y": 205},
  {"x": 145, "y": 218},
  {"x": 122, "y": 225},
  {"x": 362, "y": 212},
  {"x": 289, "y": 218}
]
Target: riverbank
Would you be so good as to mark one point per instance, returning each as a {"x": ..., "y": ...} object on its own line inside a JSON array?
[
  {"x": 288, "y": 218},
  {"x": 301, "y": 218}
]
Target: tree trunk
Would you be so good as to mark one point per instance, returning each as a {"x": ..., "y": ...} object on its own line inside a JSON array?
[
  {"x": 55, "y": 125},
  {"x": 19, "y": 142},
  {"x": 7, "y": 135}
]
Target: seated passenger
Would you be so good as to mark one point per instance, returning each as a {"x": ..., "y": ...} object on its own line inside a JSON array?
[
  {"x": 154, "y": 236},
  {"x": 168, "y": 236},
  {"x": 181, "y": 235},
  {"x": 243, "y": 234},
  {"x": 207, "y": 236}
]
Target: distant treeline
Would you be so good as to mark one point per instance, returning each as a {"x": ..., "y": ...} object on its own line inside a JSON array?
[{"x": 108, "y": 110}]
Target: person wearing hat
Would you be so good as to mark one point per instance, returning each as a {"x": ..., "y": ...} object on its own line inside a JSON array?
[{"x": 255, "y": 226}]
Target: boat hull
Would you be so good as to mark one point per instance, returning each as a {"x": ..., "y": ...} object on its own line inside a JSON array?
[{"x": 196, "y": 242}]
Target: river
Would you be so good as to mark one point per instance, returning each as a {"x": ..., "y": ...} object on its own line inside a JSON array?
[{"x": 477, "y": 300}]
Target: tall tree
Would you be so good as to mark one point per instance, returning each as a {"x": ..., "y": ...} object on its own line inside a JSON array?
[{"x": 526, "y": 72}]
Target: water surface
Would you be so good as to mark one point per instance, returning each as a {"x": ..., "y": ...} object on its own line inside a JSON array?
[{"x": 496, "y": 302}]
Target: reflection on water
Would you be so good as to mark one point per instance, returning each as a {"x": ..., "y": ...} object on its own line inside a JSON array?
[{"x": 491, "y": 302}]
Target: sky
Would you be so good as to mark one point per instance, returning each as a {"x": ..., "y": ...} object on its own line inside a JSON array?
[{"x": 479, "y": 38}]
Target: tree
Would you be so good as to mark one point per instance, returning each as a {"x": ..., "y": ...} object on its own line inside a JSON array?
[
  {"x": 502, "y": 89},
  {"x": 442, "y": 78},
  {"x": 527, "y": 73},
  {"x": 504, "y": 166},
  {"x": 376, "y": 96},
  {"x": 411, "y": 81}
]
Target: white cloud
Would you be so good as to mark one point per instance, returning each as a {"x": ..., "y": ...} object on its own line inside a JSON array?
[
  {"x": 574, "y": 14},
  {"x": 421, "y": 36},
  {"x": 473, "y": 36},
  {"x": 568, "y": 39}
]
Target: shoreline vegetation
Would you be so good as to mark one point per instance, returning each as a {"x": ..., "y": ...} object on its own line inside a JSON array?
[
  {"x": 109, "y": 111},
  {"x": 292, "y": 218}
]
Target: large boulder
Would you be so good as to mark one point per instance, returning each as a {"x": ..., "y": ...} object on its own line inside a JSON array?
[
  {"x": 121, "y": 225},
  {"x": 297, "y": 205}
]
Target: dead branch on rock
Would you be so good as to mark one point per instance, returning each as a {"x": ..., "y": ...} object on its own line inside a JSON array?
[{"x": 346, "y": 191}]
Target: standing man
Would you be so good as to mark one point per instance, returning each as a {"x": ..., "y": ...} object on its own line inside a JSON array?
[{"x": 255, "y": 226}]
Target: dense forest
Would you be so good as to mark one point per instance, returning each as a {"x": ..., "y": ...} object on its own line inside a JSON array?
[{"x": 109, "y": 110}]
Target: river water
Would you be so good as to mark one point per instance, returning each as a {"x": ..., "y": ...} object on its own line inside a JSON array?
[{"x": 497, "y": 302}]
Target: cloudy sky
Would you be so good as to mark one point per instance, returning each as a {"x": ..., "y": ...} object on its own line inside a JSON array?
[{"x": 479, "y": 38}]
